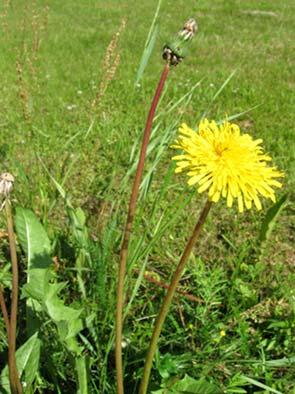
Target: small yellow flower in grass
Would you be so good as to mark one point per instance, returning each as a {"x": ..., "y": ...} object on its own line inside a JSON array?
[
  {"x": 226, "y": 163},
  {"x": 222, "y": 333}
]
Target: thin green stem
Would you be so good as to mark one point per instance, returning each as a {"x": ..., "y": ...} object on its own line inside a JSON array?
[
  {"x": 14, "y": 380},
  {"x": 128, "y": 228},
  {"x": 169, "y": 296}
]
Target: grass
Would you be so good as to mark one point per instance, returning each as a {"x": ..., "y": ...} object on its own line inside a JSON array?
[{"x": 45, "y": 117}]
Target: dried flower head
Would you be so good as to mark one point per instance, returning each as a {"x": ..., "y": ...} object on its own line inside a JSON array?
[
  {"x": 175, "y": 50},
  {"x": 6, "y": 183},
  {"x": 226, "y": 163},
  {"x": 189, "y": 29}
]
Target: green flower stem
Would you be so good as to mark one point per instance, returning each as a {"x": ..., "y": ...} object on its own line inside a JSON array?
[
  {"x": 169, "y": 296},
  {"x": 15, "y": 384},
  {"x": 128, "y": 227}
]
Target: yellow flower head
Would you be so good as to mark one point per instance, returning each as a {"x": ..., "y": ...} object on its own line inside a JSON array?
[{"x": 226, "y": 163}]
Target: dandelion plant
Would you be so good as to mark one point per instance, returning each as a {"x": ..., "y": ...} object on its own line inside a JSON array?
[
  {"x": 224, "y": 163},
  {"x": 173, "y": 53}
]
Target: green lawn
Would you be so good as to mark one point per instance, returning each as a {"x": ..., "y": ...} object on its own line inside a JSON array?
[{"x": 52, "y": 65}]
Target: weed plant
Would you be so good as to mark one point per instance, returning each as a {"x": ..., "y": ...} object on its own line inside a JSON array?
[{"x": 74, "y": 98}]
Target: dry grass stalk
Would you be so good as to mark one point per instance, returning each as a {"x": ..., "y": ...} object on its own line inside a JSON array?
[
  {"x": 39, "y": 24},
  {"x": 45, "y": 18},
  {"x": 4, "y": 17},
  {"x": 23, "y": 91},
  {"x": 110, "y": 64},
  {"x": 32, "y": 68},
  {"x": 36, "y": 26},
  {"x": 23, "y": 27},
  {"x": 33, "y": 23}
]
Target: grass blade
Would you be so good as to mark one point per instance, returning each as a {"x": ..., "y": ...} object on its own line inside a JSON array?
[
  {"x": 149, "y": 45},
  {"x": 219, "y": 91},
  {"x": 238, "y": 115},
  {"x": 261, "y": 385},
  {"x": 269, "y": 221}
]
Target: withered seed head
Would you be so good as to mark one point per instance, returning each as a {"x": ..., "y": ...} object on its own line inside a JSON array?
[
  {"x": 174, "y": 51},
  {"x": 189, "y": 29},
  {"x": 6, "y": 183}
]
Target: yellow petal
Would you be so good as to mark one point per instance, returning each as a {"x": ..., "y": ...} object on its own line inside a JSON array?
[
  {"x": 248, "y": 203},
  {"x": 257, "y": 202},
  {"x": 229, "y": 199},
  {"x": 216, "y": 197},
  {"x": 240, "y": 203},
  {"x": 193, "y": 180},
  {"x": 205, "y": 186}
]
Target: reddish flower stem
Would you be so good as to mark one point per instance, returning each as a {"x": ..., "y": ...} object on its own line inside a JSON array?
[
  {"x": 15, "y": 385},
  {"x": 4, "y": 311},
  {"x": 169, "y": 296},
  {"x": 128, "y": 227}
]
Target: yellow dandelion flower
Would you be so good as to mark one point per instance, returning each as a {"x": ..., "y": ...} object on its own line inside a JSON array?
[
  {"x": 222, "y": 333},
  {"x": 226, "y": 163}
]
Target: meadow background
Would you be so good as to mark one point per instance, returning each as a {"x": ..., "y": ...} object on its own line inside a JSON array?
[{"x": 71, "y": 118}]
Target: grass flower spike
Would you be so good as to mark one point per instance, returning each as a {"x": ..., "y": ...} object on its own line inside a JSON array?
[{"x": 226, "y": 163}]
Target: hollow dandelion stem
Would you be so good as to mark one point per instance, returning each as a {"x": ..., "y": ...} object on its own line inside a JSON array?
[
  {"x": 169, "y": 296},
  {"x": 4, "y": 310},
  {"x": 15, "y": 383},
  {"x": 128, "y": 228}
]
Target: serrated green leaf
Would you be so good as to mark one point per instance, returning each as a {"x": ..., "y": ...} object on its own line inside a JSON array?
[
  {"x": 35, "y": 289},
  {"x": 36, "y": 245},
  {"x": 269, "y": 221},
  {"x": 189, "y": 385},
  {"x": 31, "y": 234},
  {"x": 69, "y": 328},
  {"x": 66, "y": 318},
  {"x": 55, "y": 306},
  {"x": 42, "y": 294},
  {"x": 27, "y": 360}
]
